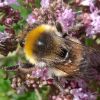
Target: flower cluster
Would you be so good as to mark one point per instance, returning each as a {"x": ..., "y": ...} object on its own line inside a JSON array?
[
  {"x": 7, "y": 2},
  {"x": 75, "y": 89},
  {"x": 10, "y": 16},
  {"x": 36, "y": 78},
  {"x": 94, "y": 26},
  {"x": 66, "y": 19},
  {"x": 8, "y": 41},
  {"x": 53, "y": 12}
]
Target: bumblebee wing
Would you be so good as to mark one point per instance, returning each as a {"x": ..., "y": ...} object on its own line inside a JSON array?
[
  {"x": 92, "y": 54},
  {"x": 65, "y": 70},
  {"x": 94, "y": 58}
]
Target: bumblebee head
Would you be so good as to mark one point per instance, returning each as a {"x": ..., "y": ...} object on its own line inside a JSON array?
[{"x": 44, "y": 44}]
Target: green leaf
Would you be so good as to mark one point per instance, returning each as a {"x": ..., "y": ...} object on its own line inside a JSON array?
[
  {"x": 26, "y": 96},
  {"x": 2, "y": 27},
  {"x": 44, "y": 91},
  {"x": 10, "y": 61},
  {"x": 89, "y": 41},
  {"x": 37, "y": 3},
  {"x": 19, "y": 26},
  {"x": 23, "y": 11}
]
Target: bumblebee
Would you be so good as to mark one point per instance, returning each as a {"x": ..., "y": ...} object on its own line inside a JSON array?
[{"x": 45, "y": 46}]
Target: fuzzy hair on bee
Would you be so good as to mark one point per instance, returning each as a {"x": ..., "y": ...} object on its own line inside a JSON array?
[{"x": 45, "y": 46}]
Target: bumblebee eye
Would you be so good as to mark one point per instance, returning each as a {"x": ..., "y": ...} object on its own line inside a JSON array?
[{"x": 64, "y": 53}]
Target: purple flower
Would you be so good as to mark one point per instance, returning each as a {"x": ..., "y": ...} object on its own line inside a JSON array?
[
  {"x": 66, "y": 19},
  {"x": 80, "y": 95},
  {"x": 94, "y": 26},
  {"x": 12, "y": 2},
  {"x": 87, "y": 2},
  {"x": 40, "y": 73},
  {"x": 8, "y": 2},
  {"x": 45, "y": 3},
  {"x": 3, "y": 3},
  {"x": 31, "y": 20}
]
